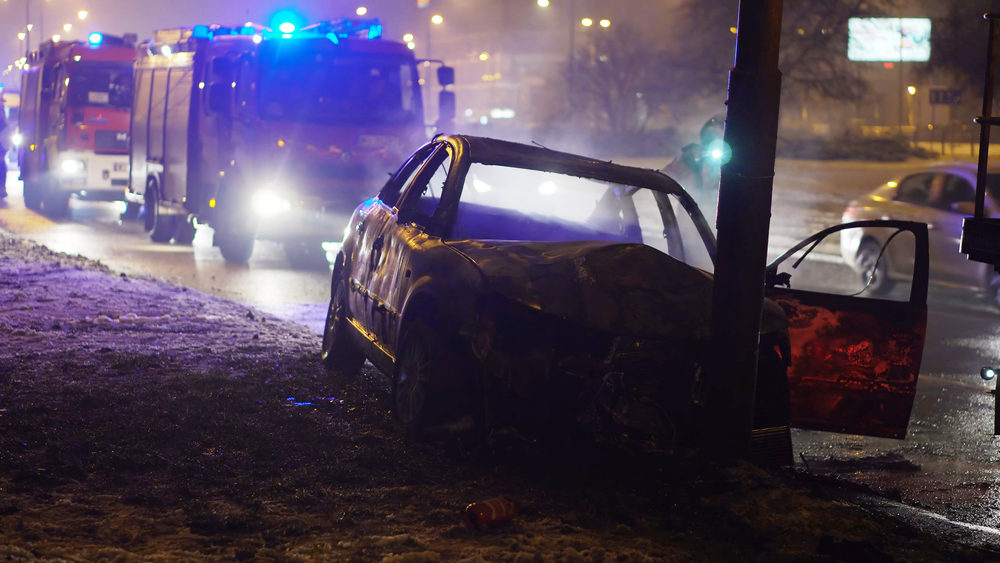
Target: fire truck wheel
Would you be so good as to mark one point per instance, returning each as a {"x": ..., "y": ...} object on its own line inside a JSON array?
[
  {"x": 306, "y": 255},
  {"x": 132, "y": 211},
  {"x": 161, "y": 227},
  {"x": 236, "y": 247},
  {"x": 32, "y": 195},
  {"x": 185, "y": 232},
  {"x": 56, "y": 203}
]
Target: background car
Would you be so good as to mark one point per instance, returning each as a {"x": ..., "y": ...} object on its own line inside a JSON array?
[
  {"x": 941, "y": 195},
  {"x": 501, "y": 285}
]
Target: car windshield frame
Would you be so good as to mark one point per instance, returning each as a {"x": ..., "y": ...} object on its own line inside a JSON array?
[{"x": 479, "y": 150}]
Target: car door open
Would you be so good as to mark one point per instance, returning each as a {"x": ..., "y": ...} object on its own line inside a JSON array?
[{"x": 854, "y": 360}]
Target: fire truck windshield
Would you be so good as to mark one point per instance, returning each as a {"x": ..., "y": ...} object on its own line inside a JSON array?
[
  {"x": 102, "y": 84},
  {"x": 338, "y": 88}
]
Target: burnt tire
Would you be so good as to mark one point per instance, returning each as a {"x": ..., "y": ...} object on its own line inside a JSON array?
[
  {"x": 874, "y": 270},
  {"x": 160, "y": 227},
  {"x": 437, "y": 389},
  {"x": 420, "y": 383},
  {"x": 340, "y": 353}
]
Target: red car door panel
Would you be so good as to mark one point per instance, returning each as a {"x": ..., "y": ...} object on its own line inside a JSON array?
[{"x": 854, "y": 360}]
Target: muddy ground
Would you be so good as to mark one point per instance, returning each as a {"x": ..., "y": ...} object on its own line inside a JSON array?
[{"x": 144, "y": 421}]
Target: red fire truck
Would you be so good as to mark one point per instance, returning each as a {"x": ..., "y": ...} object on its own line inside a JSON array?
[
  {"x": 74, "y": 120},
  {"x": 271, "y": 135}
]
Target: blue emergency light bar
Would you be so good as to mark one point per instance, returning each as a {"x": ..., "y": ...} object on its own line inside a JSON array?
[
  {"x": 342, "y": 28},
  {"x": 95, "y": 38}
]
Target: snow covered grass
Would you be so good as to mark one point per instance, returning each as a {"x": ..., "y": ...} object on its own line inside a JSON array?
[{"x": 145, "y": 421}]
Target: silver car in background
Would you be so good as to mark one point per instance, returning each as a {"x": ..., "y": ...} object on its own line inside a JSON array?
[{"x": 941, "y": 195}]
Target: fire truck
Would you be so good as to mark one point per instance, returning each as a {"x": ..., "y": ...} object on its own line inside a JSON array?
[
  {"x": 273, "y": 135},
  {"x": 74, "y": 121}
]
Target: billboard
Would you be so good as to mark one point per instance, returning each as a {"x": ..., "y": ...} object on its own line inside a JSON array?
[{"x": 888, "y": 39}]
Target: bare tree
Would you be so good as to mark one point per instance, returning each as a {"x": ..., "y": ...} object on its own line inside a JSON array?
[
  {"x": 813, "y": 57},
  {"x": 617, "y": 80},
  {"x": 958, "y": 42},
  {"x": 613, "y": 85}
]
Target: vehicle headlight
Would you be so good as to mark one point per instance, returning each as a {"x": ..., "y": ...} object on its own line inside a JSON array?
[
  {"x": 266, "y": 203},
  {"x": 17, "y": 139},
  {"x": 72, "y": 166}
]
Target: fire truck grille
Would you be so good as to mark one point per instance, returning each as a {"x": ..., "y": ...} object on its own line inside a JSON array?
[{"x": 116, "y": 141}]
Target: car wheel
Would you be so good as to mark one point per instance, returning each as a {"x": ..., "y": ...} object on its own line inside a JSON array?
[
  {"x": 437, "y": 390},
  {"x": 411, "y": 391},
  {"x": 874, "y": 270},
  {"x": 339, "y": 352},
  {"x": 161, "y": 227}
]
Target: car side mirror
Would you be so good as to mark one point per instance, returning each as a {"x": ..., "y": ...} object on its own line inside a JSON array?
[
  {"x": 219, "y": 95},
  {"x": 964, "y": 208}
]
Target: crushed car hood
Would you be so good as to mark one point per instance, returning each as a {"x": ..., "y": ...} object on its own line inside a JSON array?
[{"x": 630, "y": 289}]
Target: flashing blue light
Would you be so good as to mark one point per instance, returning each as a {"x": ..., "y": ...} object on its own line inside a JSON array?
[
  {"x": 987, "y": 373},
  {"x": 200, "y": 32},
  {"x": 95, "y": 38},
  {"x": 375, "y": 31},
  {"x": 287, "y": 21},
  {"x": 718, "y": 152}
]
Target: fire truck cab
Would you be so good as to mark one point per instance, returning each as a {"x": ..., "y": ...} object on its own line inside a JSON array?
[
  {"x": 74, "y": 121},
  {"x": 270, "y": 135}
]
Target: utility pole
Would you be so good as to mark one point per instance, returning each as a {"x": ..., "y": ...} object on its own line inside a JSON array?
[{"x": 743, "y": 221}]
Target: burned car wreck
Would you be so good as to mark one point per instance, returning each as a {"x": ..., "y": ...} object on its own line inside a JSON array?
[{"x": 512, "y": 286}]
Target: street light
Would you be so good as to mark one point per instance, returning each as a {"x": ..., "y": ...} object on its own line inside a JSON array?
[
  {"x": 543, "y": 3},
  {"x": 436, "y": 19},
  {"x": 407, "y": 38},
  {"x": 82, "y": 14},
  {"x": 67, "y": 27},
  {"x": 361, "y": 11}
]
